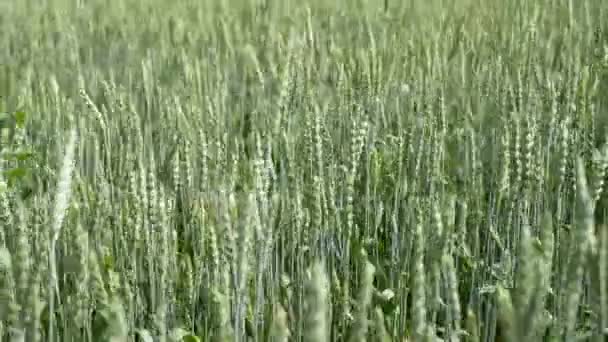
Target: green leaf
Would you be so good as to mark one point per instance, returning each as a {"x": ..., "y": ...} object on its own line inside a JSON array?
[
  {"x": 13, "y": 174},
  {"x": 24, "y": 155},
  {"x": 386, "y": 301},
  {"x": 21, "y": 155},
  {"x": 108, "y": 262},
  {"x": 190, "y": 338},
  {"x": 20, "y": 118}
]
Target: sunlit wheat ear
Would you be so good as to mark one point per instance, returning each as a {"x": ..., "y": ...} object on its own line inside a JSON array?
[
  {"x": 116, "y": 329},
  {"x": 530, "y": 295},
  {"x": 524, "y": 276},
  {"x": 17, "y": 335},
  {"x": 93, "y": 108},
  {"x": 603, "y": 278},
  {"x": 279, "y": 330},
  {"x": 6, "y": 215},
  {"x": 361, "y": 323},
  {"x": 381, "y": 334},
  {"x": 221, "y": 307},
  {"x": 33, "y": 308},
  {"x": 506, "y": 315},
  {"x": 316, "y": 328},
  {"x": 62, "y": 201},
  {"x": 517, "y": 155},
  {"x": 64, "y": 191},
  {"x": 83, "y": 275},
  {"x": 9, "y": 308},
  {"x": 419, "y": 310},
  {"x": 545, "y": 269},
  {"x": 248, "y": 204},
  {"x": 600, "y": 162},
  {"x": 585, "y": 215},
  {"x": 453, "y": 300},
  {"x": 22, "y": 260},
  {"x": 583, "y": 245},
  {"x": 472, "y": 327}
]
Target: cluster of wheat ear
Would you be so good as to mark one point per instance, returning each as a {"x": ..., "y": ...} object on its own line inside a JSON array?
[{"x": 304, "y": 170}]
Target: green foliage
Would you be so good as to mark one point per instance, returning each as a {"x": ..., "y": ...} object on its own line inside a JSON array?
[
  {"x": 441, "y": 166},
  {"x": 16, "y": 159}
]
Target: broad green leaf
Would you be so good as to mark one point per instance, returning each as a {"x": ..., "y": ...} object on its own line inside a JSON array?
[
  {"x": 21, "y": 155},
  {"x": 24, "y": 155},
  {"x": 20, "y": 118},
  {"x": 15, "y": 173},
  {"x": 190, "y": 338},
  {"x": 108, "y": 262},
  {"x": 386, "y": 301}
]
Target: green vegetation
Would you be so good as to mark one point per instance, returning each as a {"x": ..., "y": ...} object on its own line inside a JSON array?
[{"x": 271, "y": 170}]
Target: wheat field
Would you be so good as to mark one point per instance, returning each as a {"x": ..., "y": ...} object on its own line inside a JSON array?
[{"x": 279, "y": 170}]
